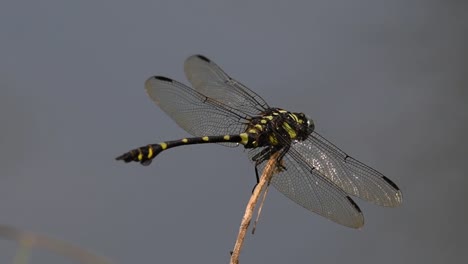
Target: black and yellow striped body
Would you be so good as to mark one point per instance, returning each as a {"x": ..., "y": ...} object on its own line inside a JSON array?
[
  {"x": 275, "y": 127},
  {"x": 278, "y": 127},
  {"x": 311, "y": 171},
  {"x": 145, "y": 154}
]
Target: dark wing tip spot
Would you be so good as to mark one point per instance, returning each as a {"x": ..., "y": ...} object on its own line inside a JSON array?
[
  {"x": 203, "y": 58},
  {"x": 391, "y": 183},
  {"x": 162, "y": 78},
  {"x": 354, "y": 204}
]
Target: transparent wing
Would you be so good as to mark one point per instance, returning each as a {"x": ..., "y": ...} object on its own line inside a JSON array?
[
  {"x": 307, "y": 187},
  {"x": 193, "y": 111},
  {"x": 209, "y": 79},
  {"x": 352, "y": 176}
]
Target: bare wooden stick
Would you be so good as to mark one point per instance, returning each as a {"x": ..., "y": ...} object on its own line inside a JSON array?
[
  {"x": 259, "y": 211},
  {"x": 267, "y": 173}
]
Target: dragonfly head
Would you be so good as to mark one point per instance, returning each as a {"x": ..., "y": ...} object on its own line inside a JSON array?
[
  {"x": 310, "y": 125},
  {"x": 306, "y": 125}
]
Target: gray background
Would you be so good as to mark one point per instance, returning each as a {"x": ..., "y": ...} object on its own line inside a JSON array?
[{"x": 384, "y": 80}]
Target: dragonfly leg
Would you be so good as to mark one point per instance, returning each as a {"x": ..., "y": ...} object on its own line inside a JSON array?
[
  {"x": 256, "y": 175},
  {"x": 265, "y": 155}
]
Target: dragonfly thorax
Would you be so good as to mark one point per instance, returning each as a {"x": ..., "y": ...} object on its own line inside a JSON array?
[{"x": 278, "y": 127}]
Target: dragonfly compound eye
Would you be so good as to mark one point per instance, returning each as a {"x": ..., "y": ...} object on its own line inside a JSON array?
[{"x": 310, "y": 125}]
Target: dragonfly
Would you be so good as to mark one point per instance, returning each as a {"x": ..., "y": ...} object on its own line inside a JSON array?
[{"x": 312, "y": 171}]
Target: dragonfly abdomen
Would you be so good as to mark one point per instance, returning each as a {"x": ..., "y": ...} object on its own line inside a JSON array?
[{"x": 146, "y": 154}]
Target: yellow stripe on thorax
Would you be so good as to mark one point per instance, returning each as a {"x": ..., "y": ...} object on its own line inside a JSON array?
[
  {"x": 293, "y": 116},
  {"x": 292, "y": 133},
  {"x": 273, "y": 139}
]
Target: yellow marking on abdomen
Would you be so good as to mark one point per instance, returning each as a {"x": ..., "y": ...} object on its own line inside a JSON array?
[
  {"x": 185, "y": 140},
  {"x": 253, "y": 131},
  {"x": 263, "y": 121},
  {"x": 205, "y": 138},
  {"x": 226, "y": 137},
  {"x": 259, "y": 127},
  {"x": 269, "y": 117},
  {"x": 244, "y": 138},
  {"x": 140, "y": 155},
  {"x": 163, "y": 146},
  {"x": 150, "y": 152},
  {"x": 282, "y": 111}
]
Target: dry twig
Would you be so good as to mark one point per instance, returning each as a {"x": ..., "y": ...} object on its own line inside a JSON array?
[{"x": 267, "y": 173}]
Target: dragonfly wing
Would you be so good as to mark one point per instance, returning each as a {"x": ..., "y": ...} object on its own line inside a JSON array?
[
  {"x": 193, "y": 111},
  {"x": 349, "y": 174},
  {"x": 307, "y": 187},
  {"x": 209, "y": 79}
]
